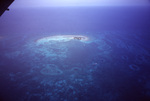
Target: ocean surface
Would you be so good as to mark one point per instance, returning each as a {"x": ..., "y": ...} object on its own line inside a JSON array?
[{"x": 75, "y": 54}]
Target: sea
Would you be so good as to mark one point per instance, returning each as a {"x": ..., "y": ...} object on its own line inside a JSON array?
[{"x": 99, "y": 53}]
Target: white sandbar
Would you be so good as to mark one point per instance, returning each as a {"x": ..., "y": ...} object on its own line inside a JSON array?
[{"x": 62, "y": 38}]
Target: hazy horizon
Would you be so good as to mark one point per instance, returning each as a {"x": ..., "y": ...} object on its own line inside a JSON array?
[{"x": 60, "y": 3}]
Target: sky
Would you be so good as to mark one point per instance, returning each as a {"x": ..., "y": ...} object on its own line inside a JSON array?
[{"x": 49, "y": 3}]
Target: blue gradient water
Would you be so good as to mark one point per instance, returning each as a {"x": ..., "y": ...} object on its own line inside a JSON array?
[{"x": 112, "y": 65}]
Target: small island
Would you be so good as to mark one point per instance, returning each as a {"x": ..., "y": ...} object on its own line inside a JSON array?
[{"x": 62, "y": 38}]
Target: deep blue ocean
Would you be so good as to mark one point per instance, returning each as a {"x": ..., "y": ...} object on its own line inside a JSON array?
[{"x": 75, "y": 54}]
